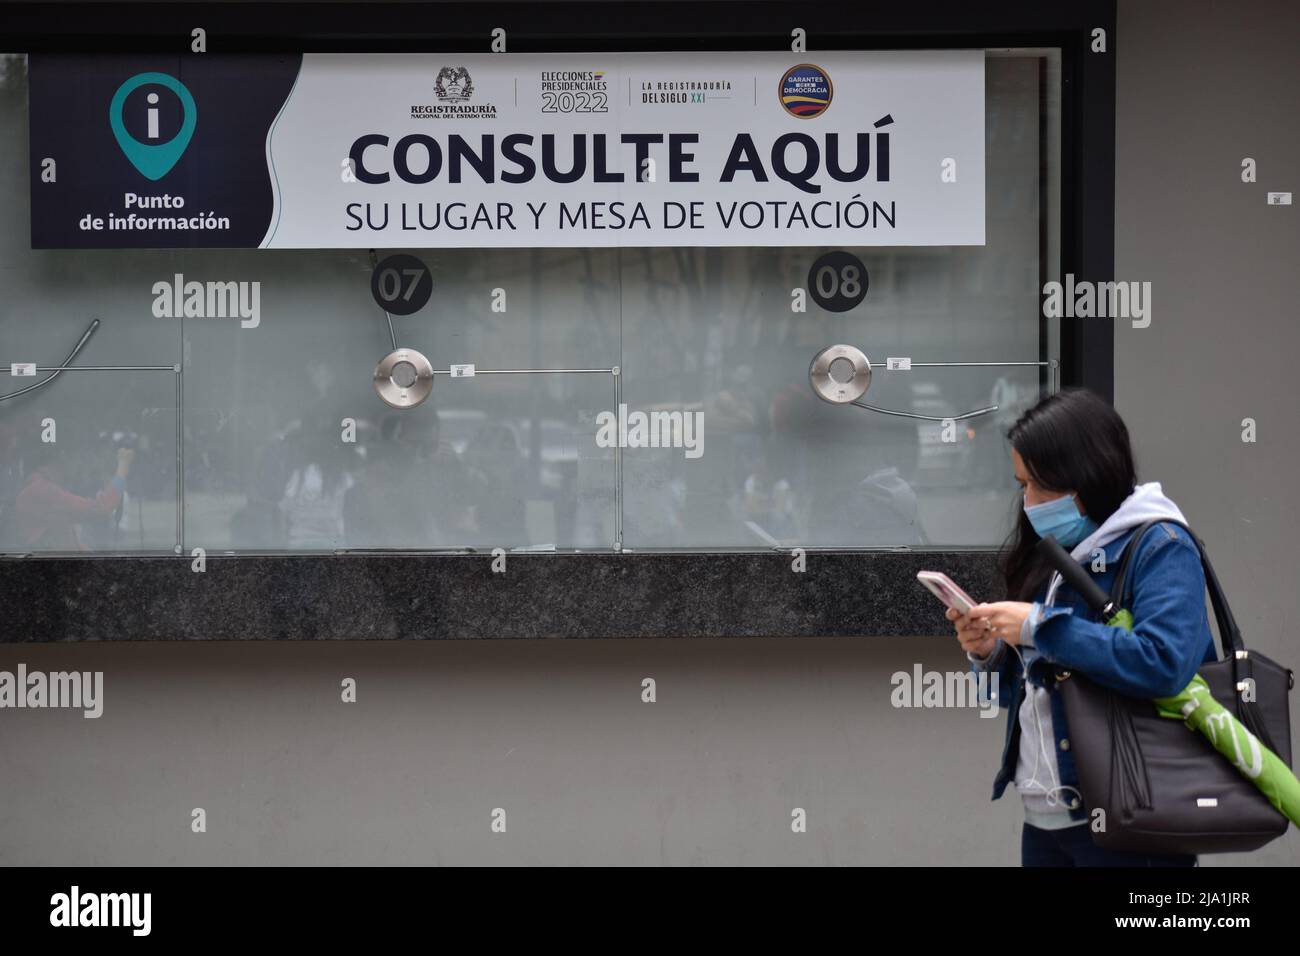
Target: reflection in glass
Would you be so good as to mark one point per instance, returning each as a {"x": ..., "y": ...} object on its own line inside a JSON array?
[{"x": 286, "y": 446}]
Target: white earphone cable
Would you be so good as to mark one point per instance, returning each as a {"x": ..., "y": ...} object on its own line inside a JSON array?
[{"x": 1033, "y": 782}]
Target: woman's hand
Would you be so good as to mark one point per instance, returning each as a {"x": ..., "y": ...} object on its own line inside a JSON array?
[
  {"x": 1001, "y": 619},
  {"x": 973, "y": 637}
]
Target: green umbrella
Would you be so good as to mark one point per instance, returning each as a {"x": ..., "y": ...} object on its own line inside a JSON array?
[{"x": 1198, "y": 709}]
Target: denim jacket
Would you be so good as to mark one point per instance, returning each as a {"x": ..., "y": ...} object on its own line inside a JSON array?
[{"x": 1170, "y": 640}]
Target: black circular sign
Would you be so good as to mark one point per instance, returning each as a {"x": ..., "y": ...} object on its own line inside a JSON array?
[
  {"x": 401, "y": 284},
  {"x": 837, "y": 281}
]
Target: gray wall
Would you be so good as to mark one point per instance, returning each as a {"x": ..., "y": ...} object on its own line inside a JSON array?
[
  {"x": 554, "y": 732},
  {"x": 1202, "y": 86},
  {"x": 743, "y": 730}
]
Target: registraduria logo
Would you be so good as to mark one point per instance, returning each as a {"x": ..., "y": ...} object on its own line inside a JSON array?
[{"x": 153, "y": 158}]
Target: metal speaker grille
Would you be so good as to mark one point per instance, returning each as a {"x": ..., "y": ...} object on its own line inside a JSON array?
[
  {"x": 395, "y": 394},
  {"x": 836, "y": 392}
]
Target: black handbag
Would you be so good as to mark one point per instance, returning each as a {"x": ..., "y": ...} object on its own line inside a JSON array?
[{"x": 1163, "y": 786}]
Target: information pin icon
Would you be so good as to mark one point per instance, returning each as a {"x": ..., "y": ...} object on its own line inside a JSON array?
[{"x": 153, "y": 160}]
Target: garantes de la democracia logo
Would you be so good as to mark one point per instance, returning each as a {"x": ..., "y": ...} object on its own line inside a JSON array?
[{"x": 805, "y": 91}]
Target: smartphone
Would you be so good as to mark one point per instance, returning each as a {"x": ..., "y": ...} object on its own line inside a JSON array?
[{"x": 942, "y": 587}]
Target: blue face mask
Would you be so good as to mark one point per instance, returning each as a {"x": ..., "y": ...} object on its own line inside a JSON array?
[{"x": 1061, "y": 519}]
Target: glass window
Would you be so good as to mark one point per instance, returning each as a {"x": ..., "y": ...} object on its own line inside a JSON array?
[{"x": 258, "y": 420}]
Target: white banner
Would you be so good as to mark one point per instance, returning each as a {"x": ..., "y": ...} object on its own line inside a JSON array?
[{"x": 630, "y": 149}]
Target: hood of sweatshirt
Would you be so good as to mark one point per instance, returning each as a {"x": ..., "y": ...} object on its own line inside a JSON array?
[{"x": 1147, "y": 502}]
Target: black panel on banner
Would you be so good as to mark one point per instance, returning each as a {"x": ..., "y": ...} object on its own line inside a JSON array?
[{"x": 103, "y": 178}]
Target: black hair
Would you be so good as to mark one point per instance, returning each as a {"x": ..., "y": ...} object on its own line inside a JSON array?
[
  {"x": 40, "y": 454},
  {"x": 1070, "y": 441}
]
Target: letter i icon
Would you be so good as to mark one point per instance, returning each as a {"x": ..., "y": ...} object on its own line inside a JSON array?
[{"x": 153, "y": 159}]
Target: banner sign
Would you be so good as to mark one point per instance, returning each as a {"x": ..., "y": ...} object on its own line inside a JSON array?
[{"x": 436, "y": 150}]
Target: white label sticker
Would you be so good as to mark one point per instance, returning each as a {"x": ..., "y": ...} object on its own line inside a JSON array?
[
  {"x": 1279, "y": 199},
  {"x": 22, "y": 368},
  {"x": 462, "y": 371},
  {"x": 898, "y": 364}
]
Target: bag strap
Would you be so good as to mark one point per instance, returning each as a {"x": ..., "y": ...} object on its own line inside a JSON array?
[{"x": 1230, "y": 639}]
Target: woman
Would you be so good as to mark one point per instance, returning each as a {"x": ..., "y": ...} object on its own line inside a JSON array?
[
  {"x": 1073, "y": 460},
  {"x": 48, "y": 514}
]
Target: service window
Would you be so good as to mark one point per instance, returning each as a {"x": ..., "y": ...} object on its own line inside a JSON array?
[{"x": 206, "y": 329}]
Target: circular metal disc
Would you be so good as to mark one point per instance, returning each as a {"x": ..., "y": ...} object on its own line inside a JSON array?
[
  {"x": 830, "y": 390},
  {"x": 404, "y": 396}
]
